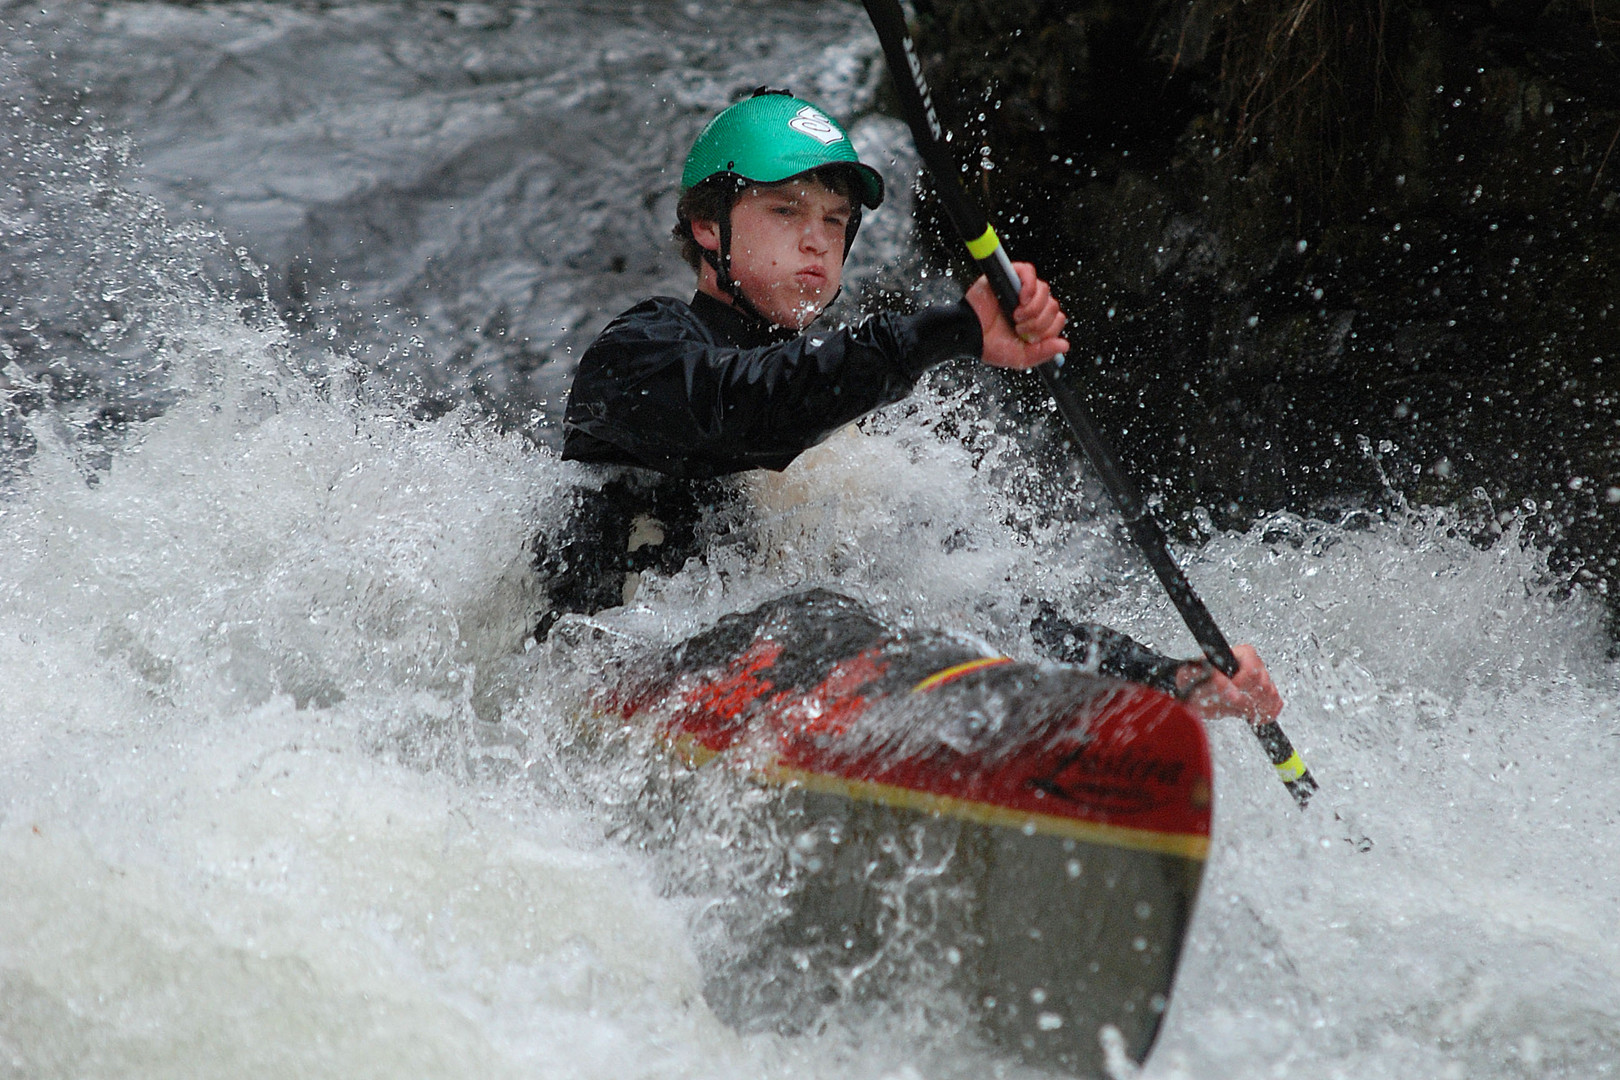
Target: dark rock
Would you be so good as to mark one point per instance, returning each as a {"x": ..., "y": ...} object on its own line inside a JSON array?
[{"x": 1287, "y": 231}]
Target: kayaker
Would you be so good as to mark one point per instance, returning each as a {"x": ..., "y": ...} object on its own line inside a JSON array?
[{"x": 674, "y": 399}]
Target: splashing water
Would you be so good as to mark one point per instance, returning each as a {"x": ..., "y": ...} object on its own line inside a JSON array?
[{"x": 282, "y": 791}]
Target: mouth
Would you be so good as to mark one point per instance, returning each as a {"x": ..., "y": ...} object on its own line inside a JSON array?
[{"x": 812, "y": 275}]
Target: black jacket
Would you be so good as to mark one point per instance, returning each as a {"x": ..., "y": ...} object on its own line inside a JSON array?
[
  {"x": 688, "y": 394},
  {"x": 701, "y": 390}
]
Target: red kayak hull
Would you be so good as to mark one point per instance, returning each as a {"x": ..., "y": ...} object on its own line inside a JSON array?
[{"x": 1073, "y": 810}]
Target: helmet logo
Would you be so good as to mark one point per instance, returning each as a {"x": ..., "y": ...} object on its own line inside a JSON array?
[{"x": 809, "y": 121}]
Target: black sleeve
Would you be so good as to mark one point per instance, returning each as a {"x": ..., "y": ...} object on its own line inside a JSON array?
[
  {"x": 657, "y": 390},
  {"x": 1102, "y": 649}
]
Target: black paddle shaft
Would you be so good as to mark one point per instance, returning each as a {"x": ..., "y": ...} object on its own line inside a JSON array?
[
  {"x": 974, "y": 228},
  {"x": 971, "y": 224}
]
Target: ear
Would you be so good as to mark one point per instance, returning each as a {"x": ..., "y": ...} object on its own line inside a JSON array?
[{"x": 707, "y": 234}]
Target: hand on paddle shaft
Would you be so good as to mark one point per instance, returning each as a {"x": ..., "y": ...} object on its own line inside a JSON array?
[
  {"x": 1010, "y": 287},
  {"x": 1032, "y": 337},
  {"x": 1250, "y": 694}
]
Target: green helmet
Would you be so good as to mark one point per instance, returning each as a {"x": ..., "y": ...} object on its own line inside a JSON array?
[{"x": 773, "y": 136}]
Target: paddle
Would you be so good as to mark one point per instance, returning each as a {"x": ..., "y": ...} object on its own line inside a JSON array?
[{"x": 982, "y": 243}]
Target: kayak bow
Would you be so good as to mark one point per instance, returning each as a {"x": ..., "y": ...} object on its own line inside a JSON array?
[{"x": 1072, "y": 811}]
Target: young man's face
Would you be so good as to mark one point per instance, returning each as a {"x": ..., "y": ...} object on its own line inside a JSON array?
[{"x": 787, "y": 248}]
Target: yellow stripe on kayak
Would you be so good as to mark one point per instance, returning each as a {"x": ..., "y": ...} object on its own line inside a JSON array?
[
  {"x": 958, "y": 671},
  {"x": 1292, "y": 769},
  {"x": 985, "y": 246},
  {"x": 692, "y": 752},
  {"x": 1186, "y": 845}
]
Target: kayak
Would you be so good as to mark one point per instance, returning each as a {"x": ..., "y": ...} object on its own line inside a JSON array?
[{"x": 1061, "y": 819}]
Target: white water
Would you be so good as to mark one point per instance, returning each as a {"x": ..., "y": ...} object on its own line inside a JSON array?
[
  {"x": 253, "y": 823},
  {"x": 280, "y": 792}
]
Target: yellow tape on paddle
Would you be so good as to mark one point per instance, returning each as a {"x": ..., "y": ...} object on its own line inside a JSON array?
[
  {"x": 985, "y": 246},
  {"x": 1292, "y": 769}
]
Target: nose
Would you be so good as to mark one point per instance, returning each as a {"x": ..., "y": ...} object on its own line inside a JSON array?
[{"x": 817, "y": 238}]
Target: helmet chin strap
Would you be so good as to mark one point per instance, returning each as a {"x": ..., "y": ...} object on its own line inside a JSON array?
[{"x": 721, "y": 261}]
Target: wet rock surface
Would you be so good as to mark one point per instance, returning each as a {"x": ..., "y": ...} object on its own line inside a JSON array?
[{"x": 1316, "y": 257}]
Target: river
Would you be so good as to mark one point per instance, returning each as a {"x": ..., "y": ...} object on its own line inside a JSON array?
[{"x": 290, "y": 296}]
